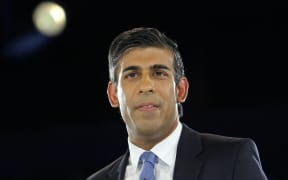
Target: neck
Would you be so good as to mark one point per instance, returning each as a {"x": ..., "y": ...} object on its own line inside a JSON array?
[{"x": 147, "y": 142}]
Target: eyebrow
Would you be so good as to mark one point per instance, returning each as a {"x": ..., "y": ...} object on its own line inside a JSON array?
[
  {"x": 153, "y": 67},
  {"x": 159, "y": 66},
  {"x": 131, "y": 68}
]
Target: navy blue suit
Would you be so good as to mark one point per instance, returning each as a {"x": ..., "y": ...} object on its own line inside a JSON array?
[{"x": 202, "y": 156}]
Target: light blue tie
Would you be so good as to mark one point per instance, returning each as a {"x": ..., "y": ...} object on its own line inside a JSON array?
[{"x": 149, "y": 159}]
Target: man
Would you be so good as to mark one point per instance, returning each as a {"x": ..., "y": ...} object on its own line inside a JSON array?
[{"x": 148, "y": 85}]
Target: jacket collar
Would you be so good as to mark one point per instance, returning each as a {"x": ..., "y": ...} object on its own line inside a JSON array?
[
  {"x": 188, "y": 164},
  {"x": 117, "y": 172}
]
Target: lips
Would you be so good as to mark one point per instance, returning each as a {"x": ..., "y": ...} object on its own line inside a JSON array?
[{"x": 147, "y": 107}]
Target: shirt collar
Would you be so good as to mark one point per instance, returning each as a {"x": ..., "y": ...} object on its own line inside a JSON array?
[{"x": 165, "y": 150}]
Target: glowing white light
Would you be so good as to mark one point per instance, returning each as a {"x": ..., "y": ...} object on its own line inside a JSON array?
[{"x": 49, "y": 18}]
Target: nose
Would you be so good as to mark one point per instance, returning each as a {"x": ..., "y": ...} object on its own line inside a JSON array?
[{"x": 146, "y": 85}]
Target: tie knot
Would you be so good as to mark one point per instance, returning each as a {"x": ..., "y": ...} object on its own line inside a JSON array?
[{"x": 149, "y": 156}]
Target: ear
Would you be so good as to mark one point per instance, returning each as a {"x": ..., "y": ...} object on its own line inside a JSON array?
[
  {"x": 182, "y": 89},
  {"x": 112, "y": 94}
]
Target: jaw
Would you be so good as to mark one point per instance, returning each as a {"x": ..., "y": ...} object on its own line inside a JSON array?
[{"x": 147, "y": 134}]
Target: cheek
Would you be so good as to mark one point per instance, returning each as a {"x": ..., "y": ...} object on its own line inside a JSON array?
[
  {"x": 126, "y": 90},
  {"x": 169, "y": 91},
  {"x": 124, "y": 96},
  {"x": 121, "y": 97},
  {"x": 122, "y": 104}
]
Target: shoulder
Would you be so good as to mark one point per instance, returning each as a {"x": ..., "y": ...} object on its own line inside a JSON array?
[
  {"x": 106, "y": 171},
  {"x": 220, "y": 144},
  {"x": 221, "y": 156},
  {"x": 238, "y": 154},
  {"x": 216, "y": 139},
  {"x": 226, "y": 144}
]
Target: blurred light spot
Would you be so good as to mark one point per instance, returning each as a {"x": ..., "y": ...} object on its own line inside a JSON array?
[{"x": 49, "y": 18}]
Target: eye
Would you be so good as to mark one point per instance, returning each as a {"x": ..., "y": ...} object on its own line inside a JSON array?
[
  {"x": 160, "y": 74},
  {"x": 131, "y": 75}
]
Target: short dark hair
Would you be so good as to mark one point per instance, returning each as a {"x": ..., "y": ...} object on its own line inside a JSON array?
[{"x": 143, "y": 37}]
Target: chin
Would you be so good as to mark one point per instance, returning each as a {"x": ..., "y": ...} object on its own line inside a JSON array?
[{"x": 149, "y": 128}]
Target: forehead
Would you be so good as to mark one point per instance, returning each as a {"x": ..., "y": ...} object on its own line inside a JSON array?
[{"x": 147, "y": 57}]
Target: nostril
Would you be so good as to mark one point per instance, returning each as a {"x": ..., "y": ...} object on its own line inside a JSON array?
[{"x": 146, "y": 91}]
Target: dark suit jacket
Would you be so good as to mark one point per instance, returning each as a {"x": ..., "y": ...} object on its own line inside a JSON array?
[{"x": 202, "y": 157}]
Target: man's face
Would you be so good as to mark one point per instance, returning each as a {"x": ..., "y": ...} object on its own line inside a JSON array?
[{"x": 146, "y": 93}]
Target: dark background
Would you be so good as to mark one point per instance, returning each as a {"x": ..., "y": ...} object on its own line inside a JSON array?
[{"x": 55, "y": 116}]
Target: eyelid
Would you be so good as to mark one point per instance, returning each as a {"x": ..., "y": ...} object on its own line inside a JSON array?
[
  {"x": 128, "y": 73},
  {"x": 161, "y": 70},
  {"x": 162, "y": 73}
]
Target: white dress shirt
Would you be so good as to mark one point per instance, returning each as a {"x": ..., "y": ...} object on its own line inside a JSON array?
[{"x": 166, "y": 152}]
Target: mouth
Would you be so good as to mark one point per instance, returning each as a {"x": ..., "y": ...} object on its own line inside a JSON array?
[{"x": 147, "y": 107}]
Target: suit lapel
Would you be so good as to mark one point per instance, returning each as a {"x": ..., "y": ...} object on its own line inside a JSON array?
[
  {"x": 187, "y": 165},
  {"x": 118, "y": 171}
]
